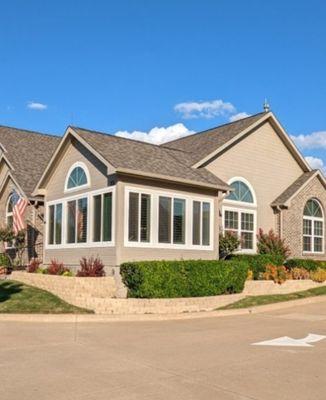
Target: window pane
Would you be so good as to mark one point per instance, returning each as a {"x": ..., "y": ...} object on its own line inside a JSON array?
[
  {"x": 51, "y": 225},
  {"x": 307, "y": 227},
  {"x": 231, "y": 220},
  {"x": 107, "y": 217},
  {"x": 9, "y": 208},
  {"x": 179, "y": 216},
  {"x": 312, "y": 209},
  {"x": 318, "y": 244},
  {"x": 241, "y": 192},
  {"x": 318, "y": 228},
  {"x": 247, "y": 222},
  {"x": 58, "y": 223},
  {"x": 77, "y": 178},
  {"x": 71, "y": 222},
  {"x": 247, "y": 240},
  {"x": 145, "y": 218},
  {"x": 133, "y": 217},
  {"x": 82, "y": 220},
  {"x": 206, "y": 224},
  {"x": 307, "y": 243},
  {"x": 196, "y": 223},
  {"x": 97, "y": 215},
  {"x": 164, "y": 234},
  {"x": 10, "y": 221}
]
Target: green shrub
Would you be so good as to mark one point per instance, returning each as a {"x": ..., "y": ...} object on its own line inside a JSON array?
[
  {"x": 4, "y": 260},
  {"x": 191, "y": 278},
  {"x": 257, "y": 262},
  {"x": 228, "y": 244},
  {"x": 309, "y": 265}
]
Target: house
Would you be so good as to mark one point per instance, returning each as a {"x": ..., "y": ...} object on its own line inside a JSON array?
[
  {"x": 124, "y": 200},
  {"x": 23, "y": 157}
]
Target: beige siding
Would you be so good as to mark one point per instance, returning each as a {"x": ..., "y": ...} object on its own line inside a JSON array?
[
  {"x": 125, "y": 254},
  {"x": 263, "y": 160}
]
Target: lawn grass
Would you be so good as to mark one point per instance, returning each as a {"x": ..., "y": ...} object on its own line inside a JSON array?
[
  {"x": 18, "y": 298},
  {"x": 253, "y": 301}
]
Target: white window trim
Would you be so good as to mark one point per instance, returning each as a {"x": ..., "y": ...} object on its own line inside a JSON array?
[
  {"x": 9, "y": 214},
  {"x": 89, "y": 243},
  {"x": 54, "y": 223},
  {"x": 154, "y": 243},
  {"x": 313, "y": 236},
  {"x": 241, "y": 210},
  {"x": 242, "y": 203},
  {"x": 200, "y": 223},
  {"x": 77, "y": 188}
]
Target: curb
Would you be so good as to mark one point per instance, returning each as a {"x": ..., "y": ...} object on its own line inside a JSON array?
[{"x": 99, "y": 318}]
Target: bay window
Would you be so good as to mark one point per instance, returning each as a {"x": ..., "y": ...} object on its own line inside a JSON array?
[
  {"x": 77, "y": 220},
  {"x": 102, "y": 217},
  {"x": 172, "y": 224},
  {"x": 55, "y": 224},
  {"x": 139, "y": 221},
  {"x": 201, "y": 223}
]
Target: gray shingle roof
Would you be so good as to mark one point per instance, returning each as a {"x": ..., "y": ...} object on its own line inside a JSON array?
[
  {"x": 201, "y": 144},
  {"x": 292, "y": 189},
  {"x": 147, "y": 158},
  {"x": 29, "y": 153}
]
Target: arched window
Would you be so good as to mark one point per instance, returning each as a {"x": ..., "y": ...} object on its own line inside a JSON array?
[
  {"x": 239, "y": 214},
  {"x": 241, "y": 192},
  {"x": 9, "y": 217},
  {"x": 77, "y": 177},
  {"x": 313, "y": 227}
]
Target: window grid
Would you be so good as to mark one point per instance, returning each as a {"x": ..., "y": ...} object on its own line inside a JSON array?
[{"x": 243, "y": 230}]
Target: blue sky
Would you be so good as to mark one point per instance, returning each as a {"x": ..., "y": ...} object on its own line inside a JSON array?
[{"x": 125, "y": 66}]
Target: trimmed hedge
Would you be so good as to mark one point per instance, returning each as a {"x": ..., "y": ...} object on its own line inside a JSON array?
[
  {"x": 309, "y": 265},
  {"x": 191, "y": 278},
  {"x": 257, "y": 262}
]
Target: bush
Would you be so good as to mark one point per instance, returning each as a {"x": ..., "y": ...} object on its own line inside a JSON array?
[
  {"x": 33, "y": 265},
  {"x": 270, "y": 243},
  {"x": 91, "y": 267},
  {"x": 257, "y": 262},
  {"x": 4, "y": 260},
  {"x": 319, "y": 275},
  {"x": 278, "y": 274},
  {"x": 299, "y": 273},
  {"x": 309, "y": 265},
  {"x": 191, "y": 278},
  {"x": 228, "y": 244},
  {"x": 56, "y": 268}
]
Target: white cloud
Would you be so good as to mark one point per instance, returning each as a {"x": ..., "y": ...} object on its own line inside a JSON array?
[
  {"x": 238, "y": 116},
  {"x": 34, "y": 105},
  {"x": 315, "y": 140},
  {"x": 316, "y": 163},
  {"x": 204, "y": 109},
  {"x": 158, "y": 135}
]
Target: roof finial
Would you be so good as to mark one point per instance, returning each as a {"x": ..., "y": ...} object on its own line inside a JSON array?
[{"x": 266, "y": 106}]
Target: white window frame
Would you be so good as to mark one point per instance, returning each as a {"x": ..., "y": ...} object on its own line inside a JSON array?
[
  {"x": 200, "y": 223},
  {"x": 91, "y": 222},
  {"x": 154, "y": 223},
  {"x": 9, "y": 214},
  {"x": 242, "y": 203},
  {"x": 239, "y": 211},
  {"x": 54, "y": 222},
  {"x": 76, "y": 188},
  {"x": 89, "y": 243},
  {"x": 313, "y": 236}
]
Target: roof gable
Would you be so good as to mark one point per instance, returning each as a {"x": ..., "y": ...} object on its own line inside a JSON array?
[{"x": 27, "y": 153}]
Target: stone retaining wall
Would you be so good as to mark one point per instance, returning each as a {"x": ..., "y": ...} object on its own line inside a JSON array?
[{"x": 99, "y": 294}]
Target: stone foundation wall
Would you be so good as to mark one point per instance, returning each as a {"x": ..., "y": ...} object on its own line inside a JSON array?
[{"x": 99, "y": 294}]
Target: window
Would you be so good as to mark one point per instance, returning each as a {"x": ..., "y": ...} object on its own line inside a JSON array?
[
  {"x": 77, "y": 177},
  {"x": 139, "y": 222},
  {"x": 77, "y": 220},
  {"x": 241, "y": 192},
  {"x": 313, "y": 227},
  {"x": 55, "y": 224},
  {"x": 102, "y": 217},
  {"x": 201, "y": 223},
  {"x": 9, "y": 219},
  {"x": 241, "y": 223},
  {"x": 172, "y": 224}
]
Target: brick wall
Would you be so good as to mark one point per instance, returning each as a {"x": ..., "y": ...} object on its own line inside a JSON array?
[{"x": 292, "y": 219}]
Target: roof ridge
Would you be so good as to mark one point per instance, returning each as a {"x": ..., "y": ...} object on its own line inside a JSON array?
[
  {"x": 216, "y": 127},
  {"x": 30, "y": 131}
]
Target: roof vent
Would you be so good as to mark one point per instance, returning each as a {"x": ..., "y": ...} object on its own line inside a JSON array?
[{"x": 266, "y": 106}]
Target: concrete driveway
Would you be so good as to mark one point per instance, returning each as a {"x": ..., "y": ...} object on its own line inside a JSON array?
[{"x": 191, "y": 359}]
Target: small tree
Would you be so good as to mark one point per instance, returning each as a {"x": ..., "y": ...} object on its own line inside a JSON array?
[
  {"x": 228, "y": 244},
  {"x": 271, "y": 243}
]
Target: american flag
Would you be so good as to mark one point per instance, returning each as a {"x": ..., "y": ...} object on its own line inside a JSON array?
[{"x": 19, "y": 205}]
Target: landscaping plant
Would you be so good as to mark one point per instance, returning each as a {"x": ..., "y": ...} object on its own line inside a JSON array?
[
  {"x": 271, "y": 243},
  {"x": 257, "y": 262},
  {"x": 56, "y": 268},
  {"x": 91, "y": 267},
  {"x": 33, "y": 265},
  {"x": 319, "y": 275},
  {"x": 228, "y": 244},
  {"x": 278, "y": 274}
]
